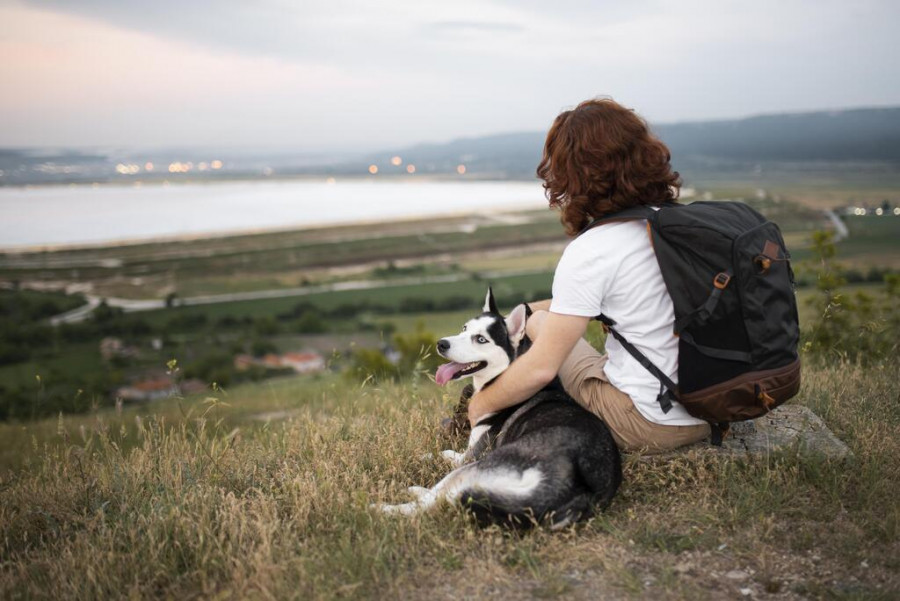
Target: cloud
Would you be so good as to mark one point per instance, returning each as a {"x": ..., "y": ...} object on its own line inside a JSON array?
[
  {"x": 473, "y": 27},
  {"x": 366, "y": 74}
]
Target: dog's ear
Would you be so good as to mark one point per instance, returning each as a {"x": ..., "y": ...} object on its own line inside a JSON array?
[
  {"x": 515, "y": 324},
  {"x": 489, "y": 305}
]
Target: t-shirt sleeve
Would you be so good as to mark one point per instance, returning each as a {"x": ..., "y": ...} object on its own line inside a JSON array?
[{"x": 580, "y": 281}]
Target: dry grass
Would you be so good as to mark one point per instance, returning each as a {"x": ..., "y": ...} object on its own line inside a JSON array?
[{"x": 188, "y": 506}]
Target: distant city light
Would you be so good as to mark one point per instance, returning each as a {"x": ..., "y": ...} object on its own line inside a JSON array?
[
  {"x": 410, "y": 168},
  {"x": 148, "y": 166},
  {"x": 396, "y": 161},
  {"x": 330, "y": 181},
  {"x": 267, "y": 171},
  {"x": 461, "y": 169},
  {"x": 179, "y": 167},
  {"x": 216, "y": 164},
  {"x": 373, "y": 169},
  {"x": 879, "y": 211},
  {"x": 897, "y": 211},
  {"x": 202, "y": 166},
  {"x": 127, "y": 168}
]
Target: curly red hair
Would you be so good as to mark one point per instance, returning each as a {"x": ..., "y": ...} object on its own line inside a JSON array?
[{"x": 599, "y": 158}]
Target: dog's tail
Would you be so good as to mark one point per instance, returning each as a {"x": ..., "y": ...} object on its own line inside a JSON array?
[
  {"x": 597, "y": 471},
  {"x": 508, "y": 488},
  {"x": 491, "y": 508}
]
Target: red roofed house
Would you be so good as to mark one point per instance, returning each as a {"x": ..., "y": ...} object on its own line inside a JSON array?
[
  {"x": 151, "y": 389},
  {"x": 303, "y": 363}
]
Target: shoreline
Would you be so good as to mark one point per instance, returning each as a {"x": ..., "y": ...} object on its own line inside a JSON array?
[
  {"x": 238, "y": 178},
  {"x": 260, "y": 231}
]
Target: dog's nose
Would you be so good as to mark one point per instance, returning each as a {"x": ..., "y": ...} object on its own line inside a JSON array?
[{"x": 443, "y": 345}]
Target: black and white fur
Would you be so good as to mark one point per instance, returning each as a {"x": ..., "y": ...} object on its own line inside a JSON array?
[{"x": 555, "y": 462}]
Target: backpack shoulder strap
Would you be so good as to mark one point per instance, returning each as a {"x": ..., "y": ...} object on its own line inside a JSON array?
[
  {"x": 668, "y": 391},
  {"x": 629, "y": 214}
]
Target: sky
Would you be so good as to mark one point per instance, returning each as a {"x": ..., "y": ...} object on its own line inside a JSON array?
[{"x": 339, "y": 75}]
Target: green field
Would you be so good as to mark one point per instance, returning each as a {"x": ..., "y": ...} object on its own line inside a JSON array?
[
  {"x": 525, "y": 285},
  {"x": 264, "y": 261}
]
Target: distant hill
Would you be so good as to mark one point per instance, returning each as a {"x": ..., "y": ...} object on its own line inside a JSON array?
[
  {"x": 871, "y": 134},
  {"x": 850, "y": 135},
  {"x": 814, "y": 140}
]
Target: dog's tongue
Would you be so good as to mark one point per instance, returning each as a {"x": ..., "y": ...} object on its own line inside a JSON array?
[{"x": 446, "y": 372}]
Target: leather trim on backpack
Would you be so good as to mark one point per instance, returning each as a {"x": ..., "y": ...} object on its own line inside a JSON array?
[{"x": 744, "y": 397}]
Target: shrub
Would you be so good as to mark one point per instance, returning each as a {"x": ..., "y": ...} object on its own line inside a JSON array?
[
  {"x": 371, "y": 364},
  {"x": 260, "y": 347},
  {"x": 10, "y": 353},
  {"x": 415, "y": 355},
  {"x": 310, "y": 322},
  {"x": 265, "y": 326},
  {"x": 182, "y": 322},
  {"x": 417, "y": 351},
  {"x": 858, "y": 326}
]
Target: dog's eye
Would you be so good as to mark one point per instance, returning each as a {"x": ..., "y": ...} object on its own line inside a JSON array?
[
  {"x": 481, "y": 340},
  {"x": 464, "y": 328}
]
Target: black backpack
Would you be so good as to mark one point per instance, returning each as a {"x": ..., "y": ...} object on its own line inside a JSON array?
[{"x": 729, "y": 275}]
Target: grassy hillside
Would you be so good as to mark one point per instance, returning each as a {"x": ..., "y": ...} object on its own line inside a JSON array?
[{"x": 207, "y": 501}]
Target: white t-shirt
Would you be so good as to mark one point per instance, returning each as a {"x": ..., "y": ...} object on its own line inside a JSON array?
[{"x": 611, "y": 269}]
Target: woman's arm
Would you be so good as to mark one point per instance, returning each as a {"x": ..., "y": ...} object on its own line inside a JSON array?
[
  {"x": 543, "y": 305},
  {"x": 535, "y": 369}
]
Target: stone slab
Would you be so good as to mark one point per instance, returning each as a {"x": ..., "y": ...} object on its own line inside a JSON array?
[{"x": 783, "y": 428}]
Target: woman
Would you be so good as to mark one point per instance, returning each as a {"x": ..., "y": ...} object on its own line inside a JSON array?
[{"x": 600, "y": 158}]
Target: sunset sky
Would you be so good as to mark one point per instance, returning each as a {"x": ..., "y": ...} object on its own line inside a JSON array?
[{"x": 337, "y": 75}]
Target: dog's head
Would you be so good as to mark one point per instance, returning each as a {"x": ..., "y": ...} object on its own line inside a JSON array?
[{"x": 485, "y": 347}]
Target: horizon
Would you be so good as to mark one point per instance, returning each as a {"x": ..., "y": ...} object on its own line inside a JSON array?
[{"x": 343, "y": 153}]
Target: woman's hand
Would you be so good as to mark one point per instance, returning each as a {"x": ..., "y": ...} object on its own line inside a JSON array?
[
  {"x": 475, "y": 411},
  {"x": 554, "y": 337}
]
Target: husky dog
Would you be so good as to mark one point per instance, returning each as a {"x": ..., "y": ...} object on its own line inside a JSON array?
[{"x": 545, "y": 460}]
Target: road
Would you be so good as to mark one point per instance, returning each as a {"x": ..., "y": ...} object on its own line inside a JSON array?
[
  {"x": 132, "y": 305},
  {"x": 840, "y": 228}
]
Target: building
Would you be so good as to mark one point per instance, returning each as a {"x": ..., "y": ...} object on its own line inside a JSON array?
[
  {"x": 150, "y": 389},
  {"x": 111, "y": 347},
  {"x": 300, "y": 362},
  {"x": 303, "y": 363}
]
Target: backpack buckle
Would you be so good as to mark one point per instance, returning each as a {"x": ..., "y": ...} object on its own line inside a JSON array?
[
  {"x": 763, "y": 263},
  {"x": 721, "y": 280}
]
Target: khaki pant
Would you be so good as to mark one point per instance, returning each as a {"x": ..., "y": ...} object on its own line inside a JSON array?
[{"x": 583, "y": 378}]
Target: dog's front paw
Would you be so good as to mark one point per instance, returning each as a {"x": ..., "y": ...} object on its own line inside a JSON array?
[
  {"x": 453, "y": 457},
  {"x": 402, "y": 509}
]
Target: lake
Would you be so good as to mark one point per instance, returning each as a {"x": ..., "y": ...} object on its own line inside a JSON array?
[{"x": 85, "y": 214}]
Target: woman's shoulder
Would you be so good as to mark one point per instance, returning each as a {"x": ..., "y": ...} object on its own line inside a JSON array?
[
  {"x": 609, "y": 238},
  {"x": 600, "y": 251}
]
